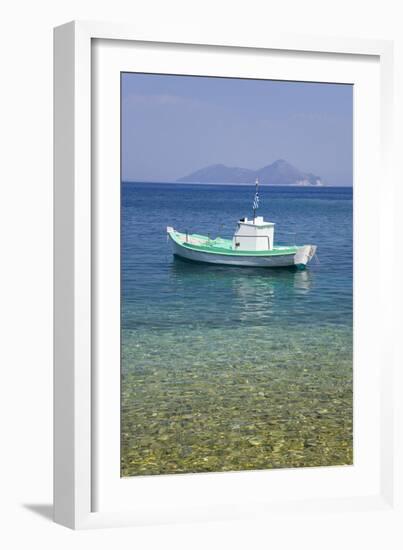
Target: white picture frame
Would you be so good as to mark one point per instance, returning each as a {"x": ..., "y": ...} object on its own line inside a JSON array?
[{"x": 81, "y": 430}]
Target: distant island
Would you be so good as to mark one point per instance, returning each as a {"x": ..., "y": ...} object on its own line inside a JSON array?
[{"x": 279, "y": 172}]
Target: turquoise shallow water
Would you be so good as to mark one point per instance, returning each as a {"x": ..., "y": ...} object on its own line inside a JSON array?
[{"x": 235, "y": 368}]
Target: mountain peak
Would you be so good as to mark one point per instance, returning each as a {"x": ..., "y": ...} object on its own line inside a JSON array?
[{"x": 280, "y": 172}]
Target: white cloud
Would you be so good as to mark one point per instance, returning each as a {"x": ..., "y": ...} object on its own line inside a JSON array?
[{"x": 161, "y": 99}]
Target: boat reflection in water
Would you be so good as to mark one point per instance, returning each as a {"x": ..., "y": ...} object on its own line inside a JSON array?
[{"x": 243, "y": 293}]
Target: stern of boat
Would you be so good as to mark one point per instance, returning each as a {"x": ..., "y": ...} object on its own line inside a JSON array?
[{"x": 304, "y": 255}]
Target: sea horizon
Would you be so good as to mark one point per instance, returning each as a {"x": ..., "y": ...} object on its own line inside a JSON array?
[{"x": 236, "y": 184}]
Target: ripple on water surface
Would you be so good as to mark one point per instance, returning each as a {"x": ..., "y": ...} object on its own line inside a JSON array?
[{"x": 230, "y": 368}]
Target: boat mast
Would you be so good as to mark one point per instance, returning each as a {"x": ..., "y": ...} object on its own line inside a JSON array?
[{"x": 256, "y": 199}]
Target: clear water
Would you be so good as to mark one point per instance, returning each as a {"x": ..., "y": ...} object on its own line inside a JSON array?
[{"x": 227, "y": 368}]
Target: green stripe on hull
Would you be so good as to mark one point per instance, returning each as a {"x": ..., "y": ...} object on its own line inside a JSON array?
[{"x": 224, "y": 246}]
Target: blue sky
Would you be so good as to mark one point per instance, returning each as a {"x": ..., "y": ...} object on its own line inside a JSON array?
[{"x": 174, "y": 125}]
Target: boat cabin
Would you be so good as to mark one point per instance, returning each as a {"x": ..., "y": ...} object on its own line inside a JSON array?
[{"x": 254, "y": 234}]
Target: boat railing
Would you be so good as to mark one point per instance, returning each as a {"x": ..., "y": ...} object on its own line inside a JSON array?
[{"x": 279, "y": 234}]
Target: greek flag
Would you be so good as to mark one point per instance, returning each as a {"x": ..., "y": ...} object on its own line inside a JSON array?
[{"x": 256, "y": 201}]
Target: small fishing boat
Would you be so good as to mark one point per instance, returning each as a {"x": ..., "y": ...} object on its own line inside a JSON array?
[{"x": 252, "y": 245}]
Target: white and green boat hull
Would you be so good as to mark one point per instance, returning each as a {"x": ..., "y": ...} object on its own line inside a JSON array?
[{"x": 198, "y": 248}]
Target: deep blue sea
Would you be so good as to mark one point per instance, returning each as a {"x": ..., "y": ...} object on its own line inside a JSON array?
[{"x": 227, "y": 368}]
